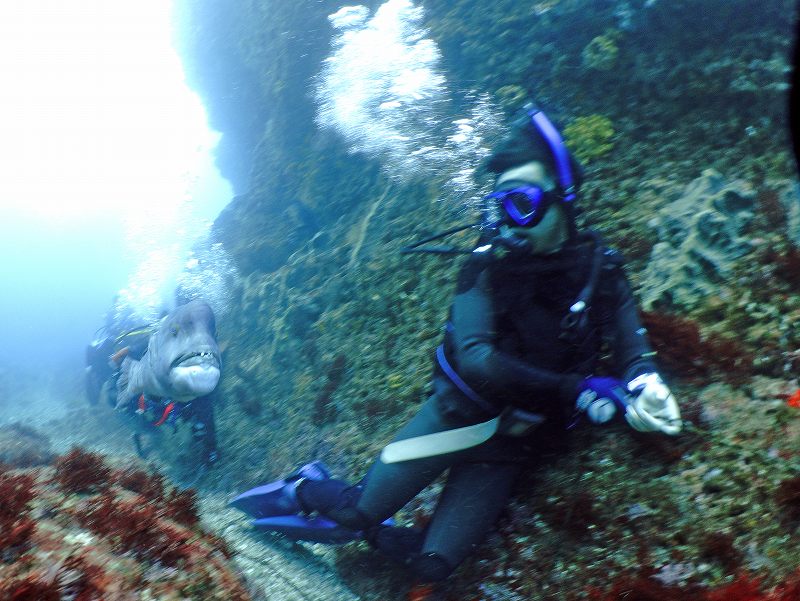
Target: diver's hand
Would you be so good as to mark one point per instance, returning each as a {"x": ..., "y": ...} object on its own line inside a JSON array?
[
  {"x": 654, "y": 409},
  {"x": 600, "y": 398}
]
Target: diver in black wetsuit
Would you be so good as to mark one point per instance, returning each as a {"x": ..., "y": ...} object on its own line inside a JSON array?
[{"x": 515, "y": 371}]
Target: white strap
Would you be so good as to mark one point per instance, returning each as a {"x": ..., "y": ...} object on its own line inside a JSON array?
[{"x": 439, "y": 443}]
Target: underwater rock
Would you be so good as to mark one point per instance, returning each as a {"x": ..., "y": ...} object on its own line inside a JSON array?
[
  {"x": 21, "y": 446},
  {"x": 701, "y": 235},
  {"x": 789, "y": 195},
  {"x": 129, "y": 539}
]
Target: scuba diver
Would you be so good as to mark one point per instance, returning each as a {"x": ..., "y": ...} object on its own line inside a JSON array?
[{"x": 534, "y": 305}]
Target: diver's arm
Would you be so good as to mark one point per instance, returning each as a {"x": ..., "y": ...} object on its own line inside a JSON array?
[
  {"x": 654, "y": 407},
  {"x": 487, "y": 369},
  {"x": 633, "y": 355}
]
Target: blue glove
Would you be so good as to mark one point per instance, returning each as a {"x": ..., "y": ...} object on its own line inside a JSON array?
[{"x": 600, "y": 398}]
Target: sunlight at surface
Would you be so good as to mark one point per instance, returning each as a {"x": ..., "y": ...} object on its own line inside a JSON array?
[
  {"x": 95, "y": 116},
  {"x": 106, "y": 157}
]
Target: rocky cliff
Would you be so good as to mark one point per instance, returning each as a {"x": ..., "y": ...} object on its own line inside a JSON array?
[{"x": 678, "y": 110}]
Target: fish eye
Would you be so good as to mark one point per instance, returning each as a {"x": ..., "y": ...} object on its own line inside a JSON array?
[{"x": 174, "y": 330}]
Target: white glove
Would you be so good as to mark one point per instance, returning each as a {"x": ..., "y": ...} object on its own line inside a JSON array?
[{"x": 654, "y": 409}]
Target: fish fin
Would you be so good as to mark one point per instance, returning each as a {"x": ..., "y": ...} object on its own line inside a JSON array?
[{"x": 124, "y": 392}]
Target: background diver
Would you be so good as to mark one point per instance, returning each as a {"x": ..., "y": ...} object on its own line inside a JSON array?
[{"x": 535, "y": 303}]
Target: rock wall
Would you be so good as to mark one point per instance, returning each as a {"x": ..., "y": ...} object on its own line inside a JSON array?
[{"x": 330, "y": 340}]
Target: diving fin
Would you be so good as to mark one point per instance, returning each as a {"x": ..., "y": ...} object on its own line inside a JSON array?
[
  {"x": 317, "y": 529},
  {"x": 278, "y": 498}
]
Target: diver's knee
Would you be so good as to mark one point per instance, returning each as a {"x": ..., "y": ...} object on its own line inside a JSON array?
[{"x": 430, "y": 567}]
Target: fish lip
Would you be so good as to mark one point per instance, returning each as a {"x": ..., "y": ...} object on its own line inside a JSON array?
[{"x": 191, "y": 355}]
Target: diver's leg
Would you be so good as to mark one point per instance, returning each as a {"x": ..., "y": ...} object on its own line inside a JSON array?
[
  {"x": 386, "y": 487},
  {"x": 473, "y": 497}
]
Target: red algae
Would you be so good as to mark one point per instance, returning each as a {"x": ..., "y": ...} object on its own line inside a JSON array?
[
  {"x": 643, "y": 587},
  {"x": 106, "y": 535},
  {"x": 79, "y": 471},
  {"x": 16, "y": 528},
  {"x": 138, "y": 481}
]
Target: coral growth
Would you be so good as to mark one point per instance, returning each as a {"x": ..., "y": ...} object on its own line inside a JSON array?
[
  {"x": 106, "y": 535},
  {"x": 589, "y": 137},
  {"x": 602, "y": 52},
  {"x": 324, "y": 410}
]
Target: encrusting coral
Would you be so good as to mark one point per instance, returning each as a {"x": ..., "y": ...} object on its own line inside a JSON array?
[{"x": 590, "y": 137}]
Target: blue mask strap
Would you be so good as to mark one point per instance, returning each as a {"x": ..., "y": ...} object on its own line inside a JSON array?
[{"x": 551, "y": 135}]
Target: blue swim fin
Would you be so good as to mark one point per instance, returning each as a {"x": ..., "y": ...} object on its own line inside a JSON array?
[
  {"x": 278, "y": 498},
  {"x": 317, "y": 529}
]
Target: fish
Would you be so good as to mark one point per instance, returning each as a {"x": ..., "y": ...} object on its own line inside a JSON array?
[{"x": 182, "y": 361}]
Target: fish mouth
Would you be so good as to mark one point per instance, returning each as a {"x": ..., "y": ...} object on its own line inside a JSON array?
[{"x": 204, "y": 357}]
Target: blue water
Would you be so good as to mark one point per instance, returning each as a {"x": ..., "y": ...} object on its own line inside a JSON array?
[{"x": 109, "y": 178}]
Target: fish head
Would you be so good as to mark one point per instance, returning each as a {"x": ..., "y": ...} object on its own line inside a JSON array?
[{"x": 184, "y": 354}]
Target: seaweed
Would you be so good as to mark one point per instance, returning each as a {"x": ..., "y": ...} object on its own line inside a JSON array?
[
  {"x": 684, "y": 352},
  {"x": 80, "y": 580},
  {"x": 575, "y": 513},
  {"x": 72, "y": 578},
  {"x": 28, "y": 588},
  {"x": 787, "y": 266},
  {"x": 16, "y": 492},
  {"x": 772, "y": 210},
  {"x": 181, "y": 506},
  {"x": 134, "y": 527},
  {"x": 81, "y": 471},
  {"x": 787, "y": 496},
  {"x": 150, "y": 486},
  {"x": 643, "y": 587},
  {"x": 720, "y": 546},
  {"x": 744, "y": 588}
]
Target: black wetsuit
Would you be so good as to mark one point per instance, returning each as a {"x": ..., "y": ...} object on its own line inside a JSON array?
[{"x": 507, "y": 340}]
